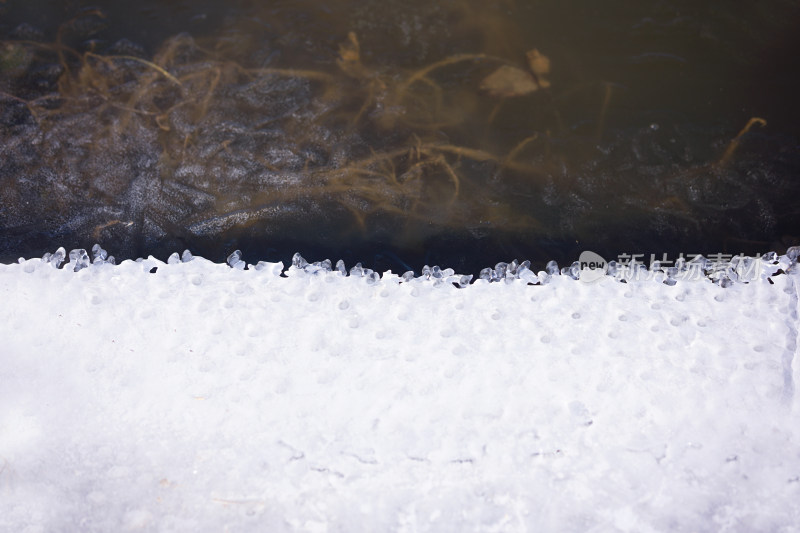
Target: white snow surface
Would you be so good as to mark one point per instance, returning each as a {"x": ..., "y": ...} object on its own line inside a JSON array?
[{"x": 208, "y": 398}]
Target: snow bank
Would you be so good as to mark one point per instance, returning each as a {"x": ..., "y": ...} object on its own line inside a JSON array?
[{"x": 207, "y": 398}]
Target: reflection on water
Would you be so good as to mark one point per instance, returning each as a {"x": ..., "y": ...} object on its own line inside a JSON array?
[{"x": 459, "y": 132}]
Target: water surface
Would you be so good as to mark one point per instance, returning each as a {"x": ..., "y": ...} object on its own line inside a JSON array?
[{"x": 399, "y": 133}]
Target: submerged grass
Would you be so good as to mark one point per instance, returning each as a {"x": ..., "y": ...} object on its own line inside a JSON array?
[{"x": 194, "y": 142}]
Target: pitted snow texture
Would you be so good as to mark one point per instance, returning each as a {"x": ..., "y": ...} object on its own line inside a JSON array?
[{"x": 205, "y": 398}]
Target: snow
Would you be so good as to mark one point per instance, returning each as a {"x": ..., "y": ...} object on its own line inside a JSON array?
[{"x": 208, "y": 398}]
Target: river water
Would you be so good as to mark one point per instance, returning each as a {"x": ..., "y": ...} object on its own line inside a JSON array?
[{"x": 458, "y": 133}]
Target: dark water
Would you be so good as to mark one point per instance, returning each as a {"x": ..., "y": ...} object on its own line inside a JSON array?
[{"x": 399, "y": 133}]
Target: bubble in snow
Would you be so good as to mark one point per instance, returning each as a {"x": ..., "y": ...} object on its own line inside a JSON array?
[
  {"x": 552, "y": 268},
  {"x": 340, "y": 268},
  {"x": 186, "y": 256},
  {"x": 770, "y": 257},
  {"x": 487, "y": 274},
  {"x": 408, "y": 276},
  {"x": 79, "y": 258},
  {"x": 235, "y": 260},
  {"x": 373, "y": 278},
  {"x": 174, "y": 259},
  {"x": 793, "y": 253}
]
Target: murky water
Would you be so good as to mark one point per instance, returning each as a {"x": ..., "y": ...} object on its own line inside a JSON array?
[{"x": 399, "y": 133}]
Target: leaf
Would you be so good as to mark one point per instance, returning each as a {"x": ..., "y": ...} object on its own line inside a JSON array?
[
  {"x": 509, "y": 81},
  {"x": 349, "y": 59},
  {"x": 538, "y": 63}
]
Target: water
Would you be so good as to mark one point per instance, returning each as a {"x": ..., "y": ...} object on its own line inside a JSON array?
[{"x": 399, "y": 133}]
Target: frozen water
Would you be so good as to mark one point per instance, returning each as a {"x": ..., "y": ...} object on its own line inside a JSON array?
[
  {"x": 55, "y": 259},
  {"x": 573, "y": 271},
  {"x": 78, "y": 259},
  {"x": 99, "y": 255},
  {"x": 208, "y": 398},
  {"x": 464, "y": 281},
  {"x": 298, "y": 261},
  {"x": 235, "y": 260},
  {"x": 358, "y": 271},
  {"x": 526, "y": 275}
]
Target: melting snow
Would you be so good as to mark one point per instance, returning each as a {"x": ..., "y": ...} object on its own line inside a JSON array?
[{"x": 207, "y": 398}]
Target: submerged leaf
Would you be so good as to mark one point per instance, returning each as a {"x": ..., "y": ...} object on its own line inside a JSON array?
[
  {"x": 349, "y": 59},
  {"x": 538, "y": 63},
  {"x": 509, "y": 81}
]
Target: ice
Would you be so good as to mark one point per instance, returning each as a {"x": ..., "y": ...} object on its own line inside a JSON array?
[
  {"x": 235, "y": 260},
  {"x": 573, "y": 271},
  {"x": 672, "y": 273},
  {"x": 99, "y": 255},
  {"x": 525, "y": 274},
  {"x": 427, "y": 272},
  {"x": 274, "y": 269},
  {"x": 500, "y": 270},
  {"x": 325, "y": 265},
  {"x": 793, "y": 253},
  {"x": 210, "y": 398},
  {"x": 78, "y": 259},
  {"x": 298, "y": 261},
  {"x": 770, "y": 257},
  {"x": 464, "y": 281},
  {"x": 358, "y": 271},
  {"x": 318, "y": 267},
  {"x": 552, "y": 268},
  {"x": 55, "y": 259}
]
